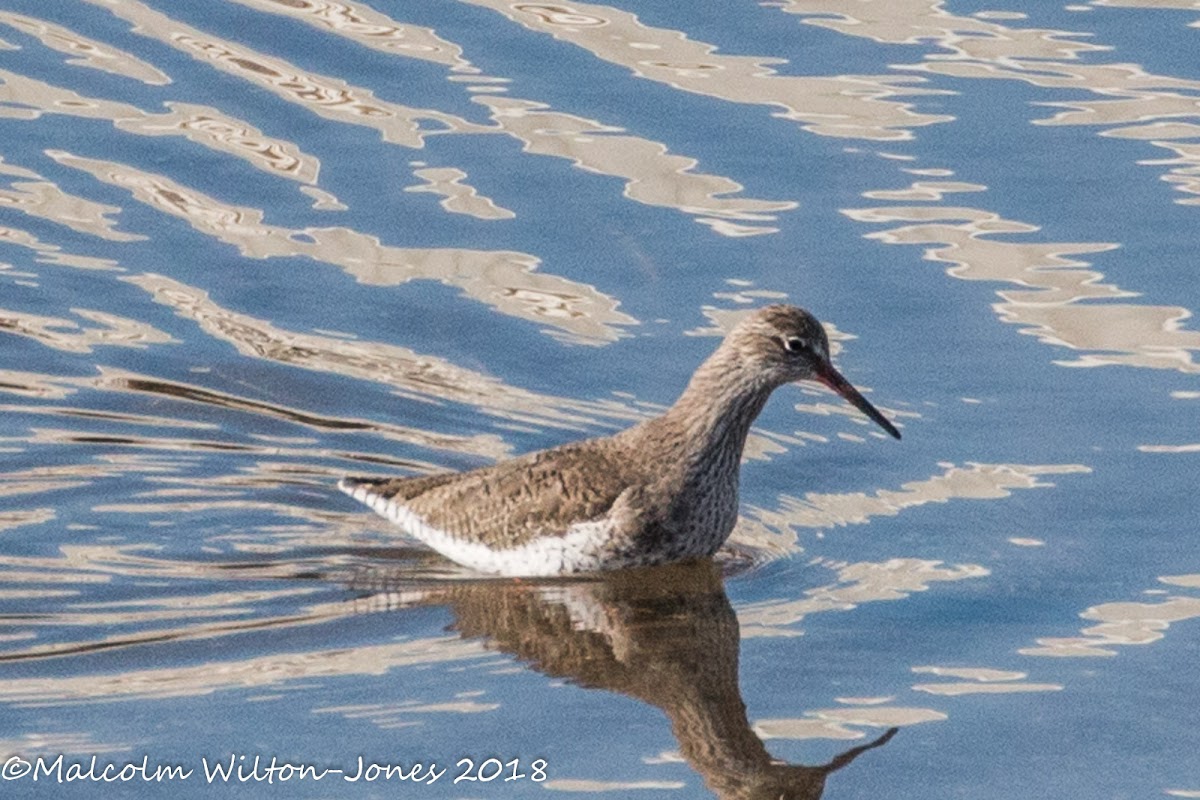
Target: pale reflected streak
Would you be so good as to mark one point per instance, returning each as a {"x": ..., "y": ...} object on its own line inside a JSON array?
[
  {"x": 49, "y": 478},
  {"x": 505, "y": 280},
  {"x": 70, "y": 337},
  {"x": 52, "y": 253},
  {"x": 1051, "y": 301},
  {"x": 458, "y": 197},
  {"x": 410, "y": 374},
  {"x": 1170, "y": 448},
  {"x": 32, "y": 384},
  {"x": 591, "y": 786},
  {"x": 979, "y": 680},
  {"x": 776, "y": 529},
  {"x": 653, "y": 176},
  {"x": 1124, "y": 624},
  {"x": 330, "y": 98},
  {"x": 45, "y": 200},
  {"x": 16, "y": 171},
  {"x": 86, "y": 52},
  {"x": 844, "y": 106},
  {"x": 1051, "y": 59},
  {"x": 387, "y": 716},
  {"x": 29, "y": 98},
  {"x": 921, "y": 21},
  {"x": 832, "y": 723},
  {"x": 19, "y": 518},
  {"x": 924, "y": 191},
  {"x": 1185, "y": 172},
  {"x": 275, "y": 671},
  {"x": 367, "y": 27},
  {"x": 1182, "y": 5},
  {"x": 863, "y": 582}
]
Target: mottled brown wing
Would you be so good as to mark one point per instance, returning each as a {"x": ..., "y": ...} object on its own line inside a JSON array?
[
  {"x": 400, "y": 489},
  {"x": 513, "y": 502}
]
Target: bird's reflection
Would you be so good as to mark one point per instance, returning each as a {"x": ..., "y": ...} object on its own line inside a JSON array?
[{"x": 666, "y": 636}]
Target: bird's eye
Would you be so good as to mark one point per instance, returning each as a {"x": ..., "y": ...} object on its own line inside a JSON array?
[{"x": 795, "y": 344}]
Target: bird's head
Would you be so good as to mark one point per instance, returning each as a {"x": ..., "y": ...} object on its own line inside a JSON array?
[{"x": 784, "y": 343}]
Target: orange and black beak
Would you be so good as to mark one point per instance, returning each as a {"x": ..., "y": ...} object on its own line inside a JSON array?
[{"x": 826, "y": 374}]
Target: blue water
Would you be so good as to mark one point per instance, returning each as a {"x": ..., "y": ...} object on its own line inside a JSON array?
[{"x": 220, "y": 295}]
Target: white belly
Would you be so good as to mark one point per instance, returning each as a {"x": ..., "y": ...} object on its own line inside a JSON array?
[{"x": 580, "y": 549}]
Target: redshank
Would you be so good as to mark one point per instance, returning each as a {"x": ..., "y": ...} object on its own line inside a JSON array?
[{"x": 664, "y": 490}]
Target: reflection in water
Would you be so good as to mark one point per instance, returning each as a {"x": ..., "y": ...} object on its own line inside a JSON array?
[
  {"x": 85, "y": 52},
  {"x": 369, "y": 28},
  {"x": 857, "y": 106},
  {"x": 457, "y": 196},
  {"x": 410, "y": 374},
  {"x": 774, "y": 530},
  {"x": 667, "y": 637},
  {"x": 858, "y": 583},
  {"x": 1147, "y": 106},
  {"x": 69, "y": 336},
  {"x": 28, "y": 98},
  {"x": 1124, "y": 624},
  {"x": 653, "y": 175},
  {"x": 51, "y": 253},
  {"x": 505, "y": 280},
  {"x": 979, "y": 680},
  {"x": 330, "y": 98},
  {"x": 45, "y": 200},
  {"x": 921, "y": 21},
  {"x": 1056, "y": 298}
]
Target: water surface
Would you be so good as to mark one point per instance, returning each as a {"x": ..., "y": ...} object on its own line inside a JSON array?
[{"x": 249, "y": 246}]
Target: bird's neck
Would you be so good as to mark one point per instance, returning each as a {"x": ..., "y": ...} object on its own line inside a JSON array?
[{"x": 707, "y": 426}]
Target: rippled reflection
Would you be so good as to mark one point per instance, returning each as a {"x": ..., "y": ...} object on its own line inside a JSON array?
[
  {"x": 409, "y": 373},
  {"x": 48, "y": 253},
  {"x": 1125, "y": 623},
  {"x": 1056, "y": 295},
  {"x": 505, "y": 280},
  {"x": 328, "y": 97},
  {"x": 774, "y": 530},
  {"x": 457, "y": 197},
  {"x": 71, "y": 337},
  {"x": 667, "y": 637},
  {"x": 203, "y": 125},
  {"x": 176, "y": 411},
  {"x": 85, "y": 52},
  {"x": 857, "y": 106},
  {"x": 369, "y": 28},
  {"x": 652, "y": 174},
  {"x": 979, "y": 680},
  {"x": 45, "y": 200}
]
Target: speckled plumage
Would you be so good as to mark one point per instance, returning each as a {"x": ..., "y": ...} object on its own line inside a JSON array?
[{"x": 664, "y": 490}]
